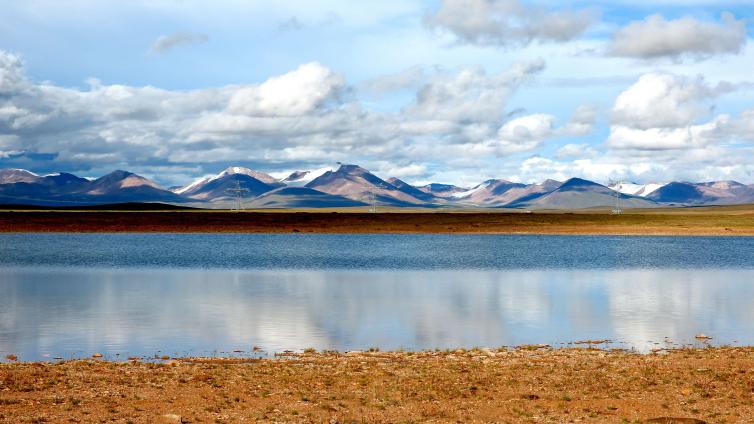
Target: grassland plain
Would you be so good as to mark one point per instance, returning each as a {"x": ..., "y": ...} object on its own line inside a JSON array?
[
  {"x": 728, "y": 221},
  {"x": 525, "y": 384}
]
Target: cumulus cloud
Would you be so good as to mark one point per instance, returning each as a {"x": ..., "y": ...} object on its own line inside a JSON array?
[
  {"x": 307, "y": 115},
  {"x": 655, "y": 37},
  {"x": 405, "y": 79},
  {"x": 295, "y": 93},
  {"x": 665, "y": 138},
  {"x": 583, "y": 120},
  {"x": 11, "y": 74},
  {"x": 471, "y": 95},
  {"x": 574, "y": 150},
  {"x": 526, "y": 133},
  {"x": 508, "y": 23},
  {"x": 661, "y": 100},
  {"x": 664, "y": 111},
  {"x": 164, "y": 43},
  {"x": 698, "y": 164}
]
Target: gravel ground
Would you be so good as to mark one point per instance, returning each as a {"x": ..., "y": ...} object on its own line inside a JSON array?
[{"x": 525, "y": 384}]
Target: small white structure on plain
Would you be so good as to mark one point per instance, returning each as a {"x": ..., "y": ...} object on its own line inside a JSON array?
[{"x": 238, "y": 192}]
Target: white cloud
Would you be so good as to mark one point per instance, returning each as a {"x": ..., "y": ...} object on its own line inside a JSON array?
[
  {"x": 526, "y": 133},
  {"x": 303, "y": 116},
  {"x": 471, "y": 95},
  {"x": 656, "y": 37},
  {"x": 408, "y": 78},
  {"x": 659, "y": 100},
  {"x": 573, "y": 150},
  {"x": 508, "y": 22},
  {"x": 11, "y": 74},
  {"x": 164, "y": 43},
  {"x": 622, "y": 137},
  {"x": 662, "y": 111},
  {"x": 294, "y": 93}
]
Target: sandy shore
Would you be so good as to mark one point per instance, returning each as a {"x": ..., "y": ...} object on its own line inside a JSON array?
[
  {"x": 481, "y": 385},
  {"x": 701, "y": 222}
]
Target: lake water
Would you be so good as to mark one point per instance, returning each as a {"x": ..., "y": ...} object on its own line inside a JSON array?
[{"x": 70, "y": 295}]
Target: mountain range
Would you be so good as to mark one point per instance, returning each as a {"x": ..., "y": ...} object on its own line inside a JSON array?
[{"x": 354, "y": 186}]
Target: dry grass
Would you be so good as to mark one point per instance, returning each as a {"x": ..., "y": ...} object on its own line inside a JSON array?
[
  {"x": 733, "y": 220},
  {"x": 521, "y": 385}
]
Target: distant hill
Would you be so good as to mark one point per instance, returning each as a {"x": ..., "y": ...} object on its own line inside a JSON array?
[
  {"x": 710, "y": 193},
  {"x": 503, "y": 193},
  {"x": 300, "y": 197},
  {"x": 12, "y": 175},
  {"x": 356, "y": 183},
  {"x": 441, "y": 190},
  {"x": 578, "y": 193},
  {"x": 107, "y": 206},
  {"x": 414, "y": 191},
  {"x": 350, "y": 186},
  {"x": 69, "y": 190},
  {"x": 217, "y": 188}
]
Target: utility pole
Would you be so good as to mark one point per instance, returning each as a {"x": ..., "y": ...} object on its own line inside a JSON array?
[
  {"x": 372, "y": 202},
  {"x": 617, "y": 184},
  {"x": 237, "y": 192}
]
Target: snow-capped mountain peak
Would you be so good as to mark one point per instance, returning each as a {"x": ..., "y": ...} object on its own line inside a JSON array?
[
  {"x": 633, "y": 189},
  {"x": 196, "y": 183},
  {"x": 302, "y": 178},
  {"x": 467, "y": 193},
  {"x": 15, "y": 175},
  {"x": 232, "y": 170}
]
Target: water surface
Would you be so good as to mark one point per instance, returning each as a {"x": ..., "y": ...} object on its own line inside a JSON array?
[{"x": 142, "y": 294}]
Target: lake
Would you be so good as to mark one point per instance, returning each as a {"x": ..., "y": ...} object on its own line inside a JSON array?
[{"x": 71, "y": 295}]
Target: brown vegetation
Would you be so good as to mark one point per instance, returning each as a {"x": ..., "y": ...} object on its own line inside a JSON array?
[
  {"x": 692, "y": 221},
  {"x": 481, "y": 385}
]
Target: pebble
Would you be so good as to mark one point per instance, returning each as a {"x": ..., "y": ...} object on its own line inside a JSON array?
[
  {"x": 702, "y": 336},
  {"x": 174, "y": 418}
]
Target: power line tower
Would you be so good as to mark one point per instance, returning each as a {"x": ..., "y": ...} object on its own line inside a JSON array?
[
  {"x": 616, "y": 185},
  {"x": 372, "y": 202},
  {"x": 237, "y": 192}
]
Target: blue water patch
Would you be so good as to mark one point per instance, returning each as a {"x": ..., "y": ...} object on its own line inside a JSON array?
[{"x": 374, "y": 251}]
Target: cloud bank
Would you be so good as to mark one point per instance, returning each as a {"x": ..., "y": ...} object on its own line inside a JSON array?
[
  {"x": 507, "y": 23},
  {"x": 655, "y": 37}
]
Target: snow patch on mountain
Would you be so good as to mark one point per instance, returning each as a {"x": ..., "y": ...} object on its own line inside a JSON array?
[
  {"x": 467, "y": 193},
  {"x": 302, "y": 178},
  {"x": 641, "y": 190}
]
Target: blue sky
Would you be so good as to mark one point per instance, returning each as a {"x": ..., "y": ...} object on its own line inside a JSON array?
[{"x": 453, "y": 91}]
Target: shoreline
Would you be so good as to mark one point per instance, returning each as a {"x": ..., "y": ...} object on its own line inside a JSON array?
[
  {"x": 525, "y": 384},
  {"x": 710, "y": 222}
]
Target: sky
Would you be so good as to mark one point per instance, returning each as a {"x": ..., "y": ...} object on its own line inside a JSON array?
[{"x": 446, "y": 91}]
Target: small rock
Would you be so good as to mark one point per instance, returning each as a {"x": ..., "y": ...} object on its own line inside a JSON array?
[
  {"x": 11, "y": 357},
  {"x": 174, "y": 418},
  {"x": 702, "y": 336}
]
